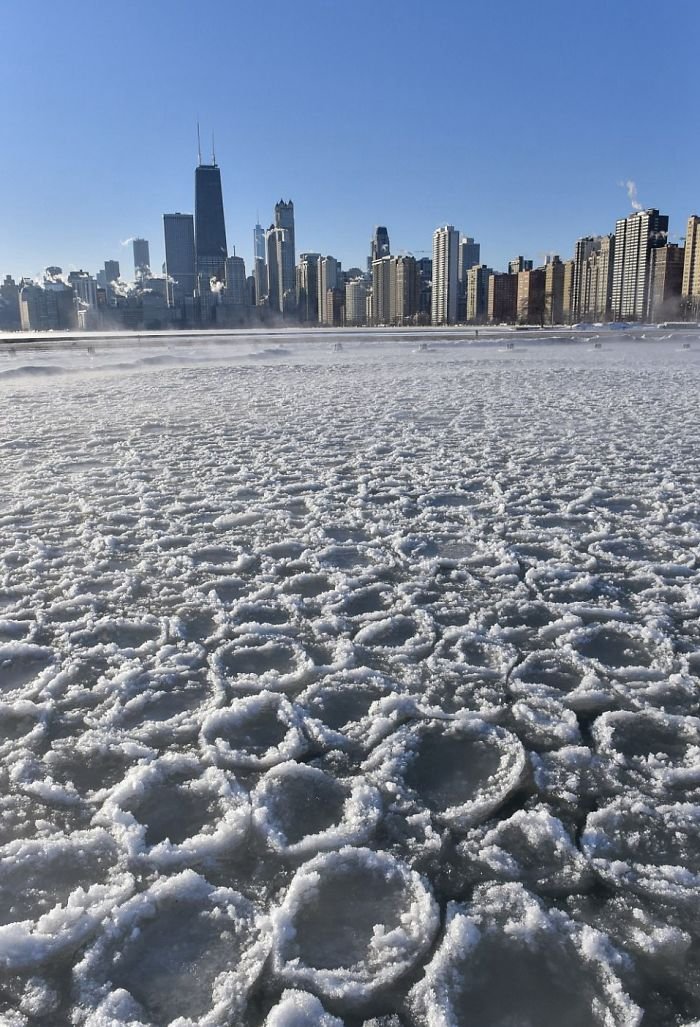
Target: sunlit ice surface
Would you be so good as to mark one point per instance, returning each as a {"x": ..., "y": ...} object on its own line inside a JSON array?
[{"x": 350, "y": 679}]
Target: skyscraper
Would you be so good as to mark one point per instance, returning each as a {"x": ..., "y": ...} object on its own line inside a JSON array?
[
  {"x": 142, "y": 259},
  {"x": 635, "y": 237},
  {"x": 381, "y": 290},
  {"x": 260, "y": 265},
  {"x": 404, "y": 290},
  {"x": 84, "y": 286},
  {"x": 259, "y": 242},
  {"x": 281, "y": 271},
  {"x": 236, "y": 285},
  {"x": 286, "y": 255},
  {"x": 691, "y": 264},
  {"x": 554, "y": 291},
  {"x": 503, "y": 297},
  {"x": 595, "y": 281},
  {"x": 469, "y": 255},
  {"x": 112, "y": 271},
  {"x": 477, "y": 292},
  {"x": 530, "y": 296},
  {"x": 665, "y": 282},
  {"x": 180, "y": 270},
  {"x": 328, "y": 269},
  {"x": 424, "y": 270},
  {"x": 585, "y": 246},
  {"x": 568, "y": 292},
  {"x": 284, "y": 218},
  {"x": 379, "y": 246},
  {"x": 9, "y": 305},
  {"x": 307, "y": 286},
  {"x": 356, "y": 302},
  {"x": 210, "y": 227},
  {"x": 518, "y": 264},
  {"x": 445, "y": 276}
]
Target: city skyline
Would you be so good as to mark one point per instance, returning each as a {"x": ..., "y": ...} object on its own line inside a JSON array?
[
  {"x": 100, "y": 177},
  {"x": 123, "y": 254}
]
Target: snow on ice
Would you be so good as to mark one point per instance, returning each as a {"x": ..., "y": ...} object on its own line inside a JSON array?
[{"x": 350, "y": 687}]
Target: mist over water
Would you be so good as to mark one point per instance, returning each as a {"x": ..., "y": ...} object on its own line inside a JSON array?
[{"x": 350, "y": 684}]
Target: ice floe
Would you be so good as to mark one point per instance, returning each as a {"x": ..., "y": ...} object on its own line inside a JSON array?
[
  {"x": 338, "y": 636},
  {"x": 352, "y": 923},
  {"x": 552, "y": 971}
]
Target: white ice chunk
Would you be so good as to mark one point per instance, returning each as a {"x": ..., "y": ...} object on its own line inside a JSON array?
[
  {"x": 299, "y": 1009},
  {"x": 650, "y": 750},
  {"x": 506, "y": 959},
  {"x": 352, "y": 923},
  {"x": 54, "y": 892},
  {"x": 258, "y": 731},
  {"x": 460, "y": 769},
  {"x": 654, "y": 849},
  {"x": 175, "y": 812},
  {"x": 181, "y": 952},
  {"x": 531, "y": 847},
  {"x": 302, "y": 810}
]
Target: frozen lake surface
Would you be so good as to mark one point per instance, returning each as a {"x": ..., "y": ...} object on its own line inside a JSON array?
[{"x": 351, "y": 680}]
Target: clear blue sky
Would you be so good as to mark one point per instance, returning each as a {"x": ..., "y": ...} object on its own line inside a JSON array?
[{"x": 514, "y": 121}]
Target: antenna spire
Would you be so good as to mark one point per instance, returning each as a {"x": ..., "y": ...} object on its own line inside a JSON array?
[
  {"x": 213, "y": 150},
  {"x": 199, "y": 145}
]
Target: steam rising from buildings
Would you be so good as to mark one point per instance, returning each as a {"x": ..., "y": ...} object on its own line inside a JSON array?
[{"x": 630, "y": 187}]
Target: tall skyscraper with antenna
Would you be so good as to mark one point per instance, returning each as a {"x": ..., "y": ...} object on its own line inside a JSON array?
[{"x": 209, "y": 224}]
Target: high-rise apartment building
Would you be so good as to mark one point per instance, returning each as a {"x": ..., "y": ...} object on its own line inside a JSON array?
[
  {"x": 503, "y": 298},
  {"x": 468, "y": 255},
  {"x": 585, "y": 246},
  {"x": 404, "y": 290},
  {"x": 142, "y": 258},
  {"x": 180, "y": 260},
  {"x": 568, "y": 292},
  {"x": 635, "y": 237},
  {"x": 307, "y": 287},
  {"x": 518, "y": 264},
  {"x": 691, "y": 265},
  {"x": 595, "y": 281},
  {"x": 665, "y": 283},
  {"x": 530, "y": 301},
  {"x": 554, "y": 291},
  {"x": 381, "y": 290},
  {"x": 9, "y": 305},
  {"x": 356, "y": 302},
  {"x": 424, "y": 270},
  {"x": 209, "y": 224},
  {"x": 395, "y": 290},
  {"x": 48, "y": 308},
  {"x": 445, "y": 275},
  {"x": 84, "y": 287},
  {"x": 477, "y": 292},
  {"x": 334, "y": 307},
  {"x": 328, "y": 275}
]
